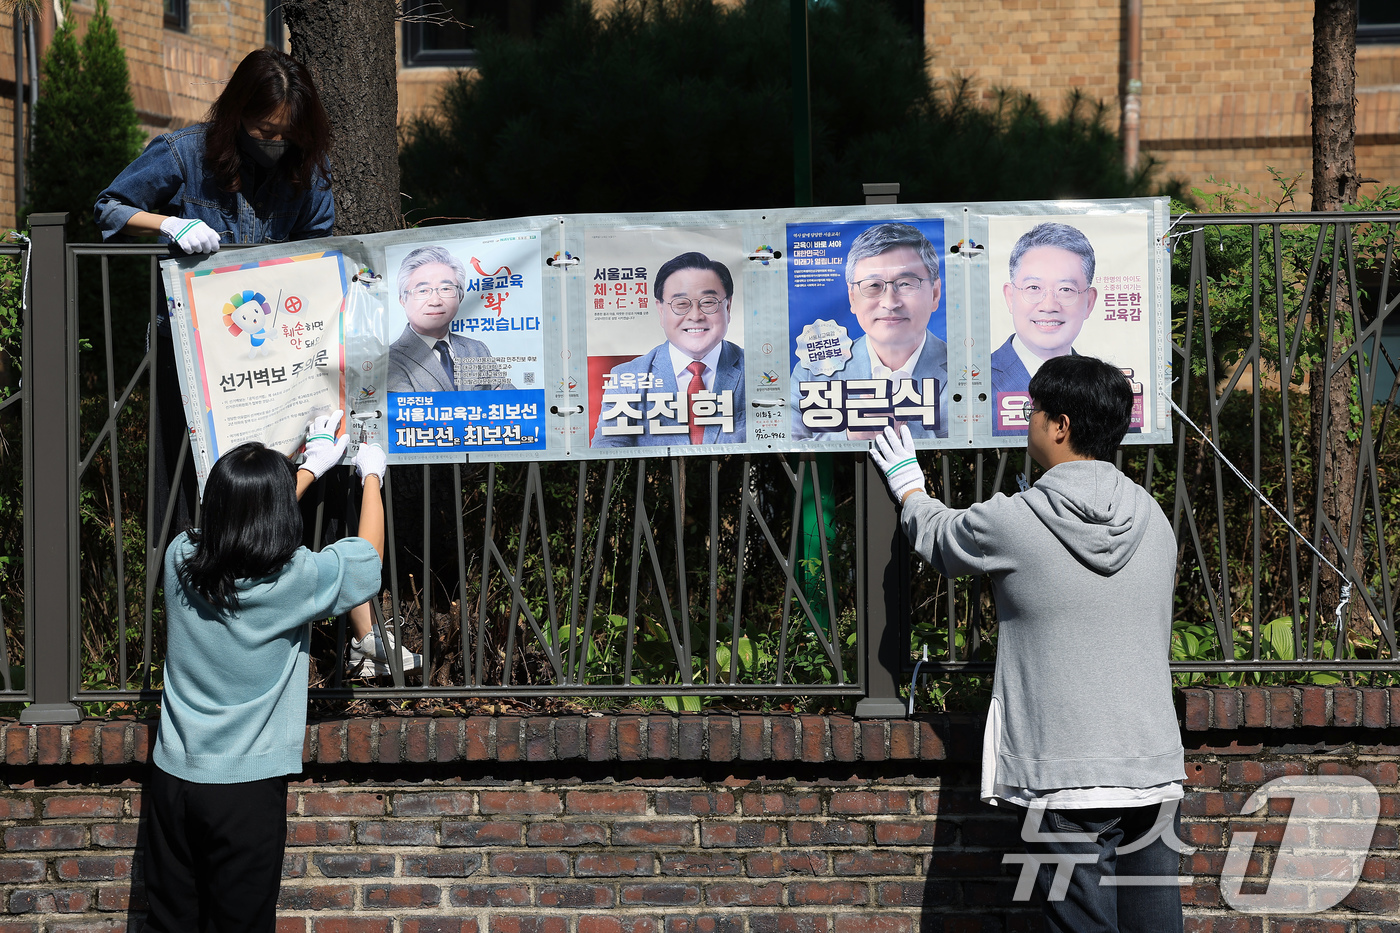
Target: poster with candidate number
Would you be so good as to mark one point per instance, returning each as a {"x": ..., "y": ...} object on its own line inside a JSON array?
[
  {"x": 1063, "y": 284},
  {"x": 465, "y": 358},
  {"x": 867, "y": 330},
  {"x": 665, "y": 320},
  {"x": 262, "y": 350}
]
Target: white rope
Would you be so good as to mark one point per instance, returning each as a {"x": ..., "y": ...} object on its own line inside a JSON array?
[{"x": 1346, "y": 583}]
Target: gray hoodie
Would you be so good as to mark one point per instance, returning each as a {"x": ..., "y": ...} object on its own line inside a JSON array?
[{"x": 1083, "y": 566}]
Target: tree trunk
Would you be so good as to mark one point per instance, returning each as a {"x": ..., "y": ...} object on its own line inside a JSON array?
[
  {"x": 348, "y": 45},
  {"x": 1334, "y": 185}
]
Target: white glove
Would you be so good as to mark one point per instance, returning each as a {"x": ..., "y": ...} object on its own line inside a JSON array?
[
  {"x": 894, "y": 454},
  {"x": 371, "y": 461},
  {"x": 192, "y": 236},
  {"x": 323, "y": 450}
]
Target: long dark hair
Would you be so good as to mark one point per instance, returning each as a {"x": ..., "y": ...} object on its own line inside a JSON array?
[
  {"x": 262, "y": 83},
  {"x": 251, "y": 524}
]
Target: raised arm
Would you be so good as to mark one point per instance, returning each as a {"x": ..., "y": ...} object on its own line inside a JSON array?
[
  {"x": 371, "y": 464},
  {"x": 323, "y": 449}
]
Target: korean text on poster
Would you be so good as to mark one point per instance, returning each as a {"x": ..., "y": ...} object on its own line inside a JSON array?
[{"x": 867, "y": 327}]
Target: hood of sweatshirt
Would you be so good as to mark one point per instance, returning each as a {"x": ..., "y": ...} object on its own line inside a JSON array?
[{"x": 1096, "y": 512}]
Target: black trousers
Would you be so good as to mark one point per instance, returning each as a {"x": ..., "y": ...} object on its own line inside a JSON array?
[{"x": 213, "y": 857}]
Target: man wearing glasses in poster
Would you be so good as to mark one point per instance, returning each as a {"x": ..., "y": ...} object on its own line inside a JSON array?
[
  {"x": 427, "y": 357},
  {"x": 693, "y": 295},
  {"x": 1050, "y": 296},
  {"x": 893, "y": 286}
]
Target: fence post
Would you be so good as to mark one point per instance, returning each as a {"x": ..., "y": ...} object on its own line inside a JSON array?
[
  {"x": 886, "y": 567},
  {"x": 50, "y": 409},
  {"x": 886, "y": 600}
]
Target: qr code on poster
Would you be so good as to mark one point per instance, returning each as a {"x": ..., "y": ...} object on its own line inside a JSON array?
[{"x": 529, "y": 378}]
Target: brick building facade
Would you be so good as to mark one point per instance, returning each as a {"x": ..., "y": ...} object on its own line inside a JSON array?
[{"x": 1225, "y": 86}]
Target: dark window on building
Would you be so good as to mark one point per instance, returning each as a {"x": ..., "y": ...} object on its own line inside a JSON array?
[
  {"x": 276, "y": 26},
  {"x": 177, "y": 14},
  {"x": 1377, "y": 21},
  {"x": 444, "y": 32}
]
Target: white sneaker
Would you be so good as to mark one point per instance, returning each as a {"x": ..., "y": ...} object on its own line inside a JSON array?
[{"x": 368, "y": 657}]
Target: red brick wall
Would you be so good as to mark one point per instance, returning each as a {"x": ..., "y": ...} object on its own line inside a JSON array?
[{"x": 670, "y": 824}]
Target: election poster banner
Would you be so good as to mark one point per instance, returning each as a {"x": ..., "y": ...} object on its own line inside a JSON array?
[
  {"x": 465, "y": 365},
  {"x": 867, "y": 327},
  {"x": 1061, "y": 284},
  {"x": 665, "y": 319},
  {"x": 261, "y": 347},
  {"x": 644, "y": 334}
]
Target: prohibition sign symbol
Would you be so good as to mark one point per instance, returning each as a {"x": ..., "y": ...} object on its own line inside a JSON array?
[{"x": 293, "y": 304}]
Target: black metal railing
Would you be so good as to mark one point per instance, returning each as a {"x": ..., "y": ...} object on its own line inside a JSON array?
[{"x": 729, "y": 577}]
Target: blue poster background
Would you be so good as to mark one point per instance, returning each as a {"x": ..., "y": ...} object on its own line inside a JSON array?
[
  {"x": 817, "y": 276},
  {"x": 466, "y": 422}
]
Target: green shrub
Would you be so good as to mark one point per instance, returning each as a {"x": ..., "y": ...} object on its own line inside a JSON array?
[{"x": 684, "y": 104}]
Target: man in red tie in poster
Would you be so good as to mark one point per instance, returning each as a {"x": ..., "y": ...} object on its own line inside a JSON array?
[{"x": 689, "y": 389}]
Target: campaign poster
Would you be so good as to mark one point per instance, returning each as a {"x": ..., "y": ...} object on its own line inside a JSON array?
[
  {"x": 867, "y": 319},
  {"x": 1067, "y": 284},
  {"x": 465, "y": 361},
  {"x": 665, "y": 318},
  {"x": 263, "y": 342}
]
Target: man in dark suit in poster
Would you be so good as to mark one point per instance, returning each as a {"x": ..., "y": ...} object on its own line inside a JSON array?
[
  {"x": 693, "y": 295},
  {"x": 893, "y": 286},
  {"x": 1049, "y": 296},
  {"x": 427, "y": 357}
]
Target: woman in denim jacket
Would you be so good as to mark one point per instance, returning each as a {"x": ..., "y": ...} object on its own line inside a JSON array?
[{"x": 255, "y": 171}]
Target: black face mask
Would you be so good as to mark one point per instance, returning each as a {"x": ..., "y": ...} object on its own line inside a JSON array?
[{"x": 265, "y": 152}]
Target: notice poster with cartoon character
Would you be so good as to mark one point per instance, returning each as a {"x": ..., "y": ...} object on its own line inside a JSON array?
[
  {"x": 867, "y": 330},
  {"x": 465, "y": 366},
  {"x": 262, "y": 350},
  {"x": 1068, "y": 284},
  {"x": 665, "y": 318}
]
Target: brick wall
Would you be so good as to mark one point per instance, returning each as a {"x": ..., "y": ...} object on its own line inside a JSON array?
[
  {"x": 1225, "y": 86},
  {"x": 671, "y": 824}
]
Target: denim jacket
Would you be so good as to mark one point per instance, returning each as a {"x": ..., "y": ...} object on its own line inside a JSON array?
[{"x": 170, "y": 178}]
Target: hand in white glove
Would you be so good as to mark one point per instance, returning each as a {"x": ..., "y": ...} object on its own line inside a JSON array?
[
  {"x": 894, "y": 454},
  {"x": 192, "y": 236},
  {"x": 323, "y": 450},
  {"x": 371, "y": 461}
]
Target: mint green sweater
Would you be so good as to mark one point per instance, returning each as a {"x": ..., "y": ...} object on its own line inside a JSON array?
[{"x": 234, "y": 707}]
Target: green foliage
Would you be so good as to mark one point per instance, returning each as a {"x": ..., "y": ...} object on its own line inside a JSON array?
[
  {"x": 86, "y": 129},
  {"x": 687, "y": 104}
]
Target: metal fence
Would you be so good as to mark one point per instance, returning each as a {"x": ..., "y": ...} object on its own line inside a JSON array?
[{"x": 690, "y": 581}]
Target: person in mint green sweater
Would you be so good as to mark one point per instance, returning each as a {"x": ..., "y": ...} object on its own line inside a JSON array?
[{"x": 240, "y": 596}]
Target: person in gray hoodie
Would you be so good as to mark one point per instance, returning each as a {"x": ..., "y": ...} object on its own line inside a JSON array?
[{"x": 1082, "y": 732}]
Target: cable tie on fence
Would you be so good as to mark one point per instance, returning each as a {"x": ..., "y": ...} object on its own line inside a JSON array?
[
  {"x": 24, "y": 279},
  {"x": 765, "y": 254},
  {"x": 567, "y": 411},
  {"x": 566, "y": 260},
  {"x": 365, "y": 415},
  {"x": 913, "y": 682},
  {"x": 1169, "y": 240},
  {"x": 768, "y": 403},
  {"x": 1346, "y": 582},
  {"x": 1346, "y": 597}
]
